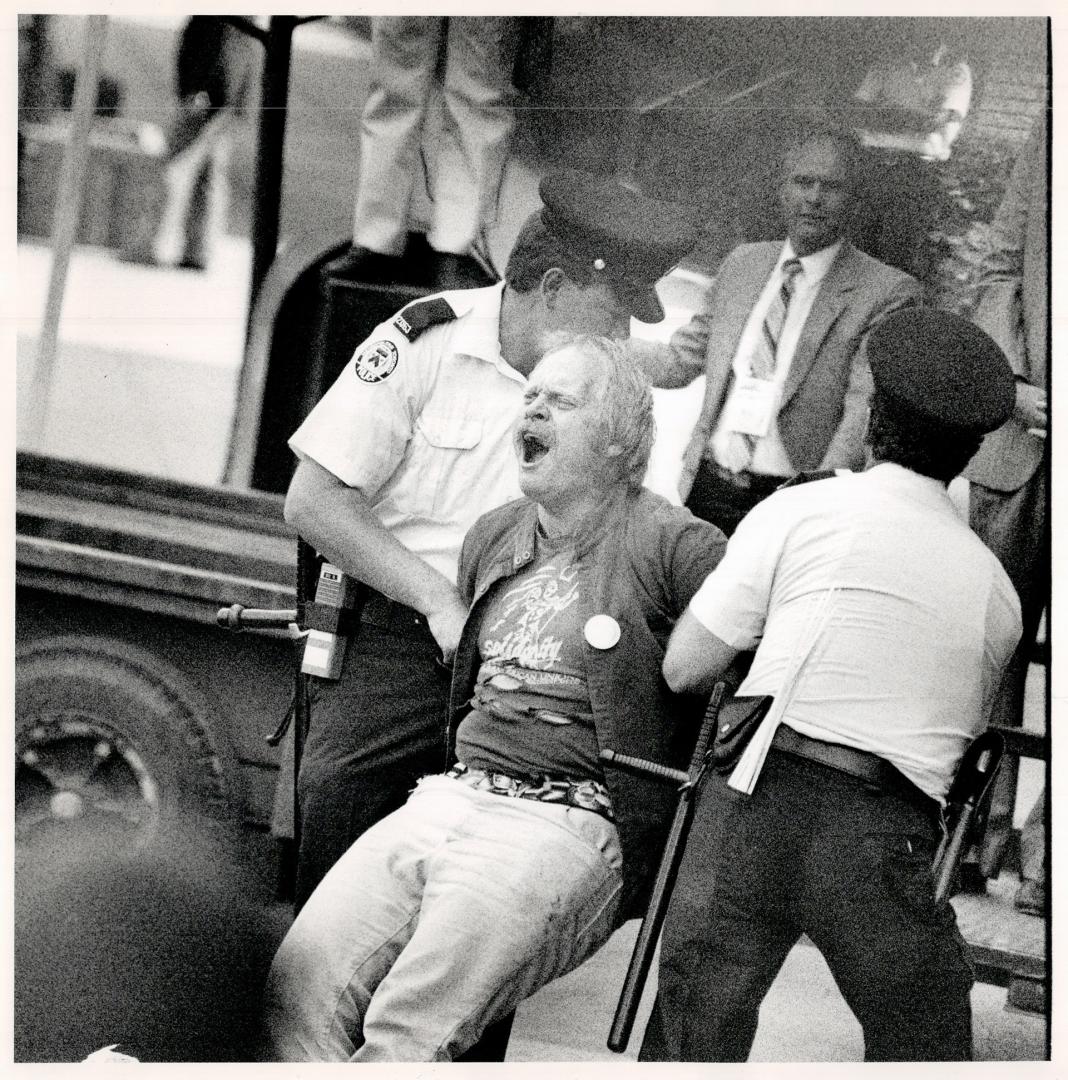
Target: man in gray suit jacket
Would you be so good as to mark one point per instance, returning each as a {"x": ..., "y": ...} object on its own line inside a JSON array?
[
  {"x": 781, "y": 341},
  {"x": 1008, "y": 496}
]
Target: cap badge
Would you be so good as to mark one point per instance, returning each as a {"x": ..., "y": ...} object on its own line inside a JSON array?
[
  {"x": 601, "y": 631},
  {"x": 376, "y": 362}
]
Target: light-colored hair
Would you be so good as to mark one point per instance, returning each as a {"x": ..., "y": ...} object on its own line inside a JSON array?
[
  {"x": 625, "y": 413},
  {"x": 624, "y": 421}
]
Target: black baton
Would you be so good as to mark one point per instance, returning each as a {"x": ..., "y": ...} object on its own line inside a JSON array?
[
  {"x": 645, "y": 945},
  {"x": 975, "y": 774}
]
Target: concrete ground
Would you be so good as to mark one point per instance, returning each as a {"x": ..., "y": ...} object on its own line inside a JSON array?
[
  {"x": 803, "y": 1019},
  {"x": 146, "y": 369}
]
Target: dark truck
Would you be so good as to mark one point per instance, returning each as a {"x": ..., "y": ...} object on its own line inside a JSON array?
[{"x": 132, "y": 701}]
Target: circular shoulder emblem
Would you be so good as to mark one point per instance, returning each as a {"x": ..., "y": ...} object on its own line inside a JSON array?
[{"x": 377, "y": 361}]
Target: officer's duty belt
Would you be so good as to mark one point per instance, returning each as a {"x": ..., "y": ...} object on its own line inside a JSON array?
[
  {"x": 869, "y": 768},
  {"x": 378, "y": 610}
]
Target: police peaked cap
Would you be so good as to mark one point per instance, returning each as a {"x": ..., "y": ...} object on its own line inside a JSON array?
[
  {"x": 630, "y": 240},
  {"x": 942, "y": 369}
]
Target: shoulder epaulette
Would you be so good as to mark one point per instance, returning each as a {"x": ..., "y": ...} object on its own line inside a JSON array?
[
  {"x": 423, "y": 314},
  {"x": 807, "y": 477}
]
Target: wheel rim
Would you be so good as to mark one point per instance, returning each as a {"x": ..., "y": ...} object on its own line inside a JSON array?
[{"x": 72, "y": 767}]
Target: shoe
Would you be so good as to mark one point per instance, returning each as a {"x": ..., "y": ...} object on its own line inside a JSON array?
[
  {"x": 1030, "y": 897},
  {"x": 457, "y": 272},
  {"x": 363, "y": 264}
]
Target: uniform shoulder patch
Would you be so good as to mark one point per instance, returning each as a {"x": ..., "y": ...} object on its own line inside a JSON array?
[
  {"x": 421, "y": 315},
  {"x": 376, "y": 362}
]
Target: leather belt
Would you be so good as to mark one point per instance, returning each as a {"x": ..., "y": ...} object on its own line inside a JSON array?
[
  {"x": 870, "y": 768},
  {"x": 585, "y": 794}
]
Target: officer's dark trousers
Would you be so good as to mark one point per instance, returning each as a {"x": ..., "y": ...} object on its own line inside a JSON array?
[
  {"x": 372, "y": 735},
  {"x": 810, "y": 851}
]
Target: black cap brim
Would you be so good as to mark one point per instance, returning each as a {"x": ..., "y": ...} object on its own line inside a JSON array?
[{"x": 642, "y": 303}]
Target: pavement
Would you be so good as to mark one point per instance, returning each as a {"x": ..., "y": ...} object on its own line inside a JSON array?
[
  {"x": 146, "y": 368},
  {"x": 803, "y": 1019}
]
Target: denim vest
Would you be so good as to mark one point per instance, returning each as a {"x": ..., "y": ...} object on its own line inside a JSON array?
[{"x": 642, "y": 572}]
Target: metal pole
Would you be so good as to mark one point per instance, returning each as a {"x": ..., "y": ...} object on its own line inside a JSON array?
[
  {"x": 270, "y": 145},
  {"x": 70, "y": 195}
]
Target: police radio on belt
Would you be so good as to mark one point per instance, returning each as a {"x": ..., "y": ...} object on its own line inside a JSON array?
[{"x": 327, "y": 622}]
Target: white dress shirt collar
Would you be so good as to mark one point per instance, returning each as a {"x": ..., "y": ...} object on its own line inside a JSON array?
[{"x": 815, "y": 265}]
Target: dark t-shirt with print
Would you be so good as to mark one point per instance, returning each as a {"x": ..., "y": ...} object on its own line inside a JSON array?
[{"x": 531, "y": 711}]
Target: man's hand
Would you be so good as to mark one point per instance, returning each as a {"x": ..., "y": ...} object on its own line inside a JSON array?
[
  {"x": 446, "y": 623},
  {"x": 1031, "y": 403}
]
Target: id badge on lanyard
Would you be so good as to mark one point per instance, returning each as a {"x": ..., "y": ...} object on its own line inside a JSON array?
[{"x": 751, "y": 406}]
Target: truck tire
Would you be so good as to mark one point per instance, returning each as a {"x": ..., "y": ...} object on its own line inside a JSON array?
[{"x": 109, "y": 737}]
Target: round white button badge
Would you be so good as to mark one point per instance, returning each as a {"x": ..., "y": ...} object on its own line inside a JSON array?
[{"x": 601, "y": 631}]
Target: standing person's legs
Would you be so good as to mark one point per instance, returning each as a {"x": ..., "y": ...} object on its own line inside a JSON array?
[
  {"x": 1011, "y": 524},
  {"x": 185, "y": 180},
  {"x": 868, "y": 905},
  {"x": 479, "y": 120},
  {"x": 729, "y": 926},
  {"x": 194, "y": 250},
  {"x": 371, "y": 736},
  {"x": 404, "y": 53},
  {"x": 1031, "y": 896}
]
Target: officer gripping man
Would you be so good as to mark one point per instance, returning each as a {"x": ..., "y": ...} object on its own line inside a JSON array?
[
  {"x": 410, "y": 445},
  {"x": 881, "y": 626}
]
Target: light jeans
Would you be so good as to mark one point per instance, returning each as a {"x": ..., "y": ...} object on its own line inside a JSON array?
[{"x": 439, "y": 920}]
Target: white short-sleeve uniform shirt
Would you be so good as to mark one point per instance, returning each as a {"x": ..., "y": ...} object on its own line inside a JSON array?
[
  {"x": 909, "y": 645},
  {"x": 423, "y": 428}
]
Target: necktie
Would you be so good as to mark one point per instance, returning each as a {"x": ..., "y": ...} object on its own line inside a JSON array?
[
  {"x": 738, "y": 453},
  {"x": 763, "y": 359}
]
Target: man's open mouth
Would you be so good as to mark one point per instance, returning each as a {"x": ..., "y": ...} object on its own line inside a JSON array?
[{"x": 531, "y": 448}]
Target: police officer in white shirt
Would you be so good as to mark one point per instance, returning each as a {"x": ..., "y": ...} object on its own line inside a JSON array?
[
  {"x": 410, "y": 445},
  {"x": 881, "y": 626}
]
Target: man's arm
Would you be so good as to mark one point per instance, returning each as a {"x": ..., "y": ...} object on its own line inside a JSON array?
[
  {"x": 695, "y": 657},
  {"x": 339, "y": 522},
  {"x": 734, "y": 599},
  {"x": 681, "y": 360}
]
